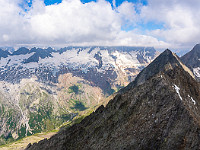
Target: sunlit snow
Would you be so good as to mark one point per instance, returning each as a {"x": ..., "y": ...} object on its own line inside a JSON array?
[
  {"x": 197, "y": 71},
  {"x": 77, "y": 59},
  {"x": 192, "y": 99},
  {"x": 177, "y": 91}
]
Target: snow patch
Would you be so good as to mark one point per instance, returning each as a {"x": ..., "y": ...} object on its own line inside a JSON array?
[
  {"x": 192, "y": 99},
  {"x": 177, "y": 91},
  {"x": 197, "y": 71}
]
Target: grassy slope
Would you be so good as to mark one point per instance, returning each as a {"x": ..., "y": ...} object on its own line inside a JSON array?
[
  {"x": 22, "y": 143},
  {"x": 75, "y": 105}
]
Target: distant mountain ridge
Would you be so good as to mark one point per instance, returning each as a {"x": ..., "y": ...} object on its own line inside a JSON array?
[
  {"x": 20, "y": 51},
  {"x": 87, "y": 62}
]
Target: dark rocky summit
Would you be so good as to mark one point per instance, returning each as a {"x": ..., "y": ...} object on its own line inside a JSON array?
[
  {"x": 20, "y": 51},
  {"x": 160, "y": 110},
  {"x": 166, "y": 61},
  {"x": 4, "y": 54},
  {"x": 39, "y": 53},
  {"x": 192, "y": 60}
]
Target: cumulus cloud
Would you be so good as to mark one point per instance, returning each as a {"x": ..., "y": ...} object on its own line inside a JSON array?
[
  {"x": 128, "y": 14},
  {"x": 98, "y": 23},
  {"x": 180, "y": 21},
  {"x": 68, "y": 22}
]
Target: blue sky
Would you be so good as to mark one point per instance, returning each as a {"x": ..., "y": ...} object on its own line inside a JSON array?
[
  {"x": 158, "y": 23},
  {"x": 118, "y": 2}
]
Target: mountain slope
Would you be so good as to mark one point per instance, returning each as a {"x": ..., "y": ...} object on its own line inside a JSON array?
[
  {"x": 32, "y": 107},
  {"x": 192, "y": 60},
  {"x": 42, "y": 88},
  {"x": 162, "y": 112}
]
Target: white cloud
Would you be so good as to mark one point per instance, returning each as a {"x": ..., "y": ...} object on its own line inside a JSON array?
[
  {"x": 127, "y": 13},
  {"x": 180, "y": 19},
  {"x": 96, "y": 23}
]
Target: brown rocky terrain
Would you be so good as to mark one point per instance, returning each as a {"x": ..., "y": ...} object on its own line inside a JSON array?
[{"x": 160, "y": 110}]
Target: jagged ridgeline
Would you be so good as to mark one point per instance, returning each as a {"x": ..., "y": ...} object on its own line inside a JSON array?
[
  {"x": 109, "y": 68},
  {"x": 159, "y": 110},
  {"x": 40, "y": 89}
]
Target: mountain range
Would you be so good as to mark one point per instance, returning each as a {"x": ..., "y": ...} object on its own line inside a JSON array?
[
  {"x": 40, "y": 89},
  {"x": 90, "y": 63},
  {"x": 43, "y": 88},
  {"x": 158, "y": 110}
]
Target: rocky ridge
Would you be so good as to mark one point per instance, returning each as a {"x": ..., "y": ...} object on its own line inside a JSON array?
[{"x": 166, "y": 61}]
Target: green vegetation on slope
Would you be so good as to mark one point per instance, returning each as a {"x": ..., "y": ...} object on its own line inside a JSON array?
[
  {"x": 22, "y": 143},
  {"x": 74, "y": 89},
  {"x": 77, "y": 105}
]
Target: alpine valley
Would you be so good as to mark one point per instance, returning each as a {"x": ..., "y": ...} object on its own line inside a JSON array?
[{"x": 42, "y": 88}]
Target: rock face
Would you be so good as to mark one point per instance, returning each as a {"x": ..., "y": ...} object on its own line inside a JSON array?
[
  {"x": 161, "y": 111},
  {"x": 192, "y": 60}
]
